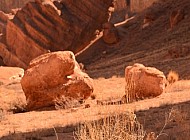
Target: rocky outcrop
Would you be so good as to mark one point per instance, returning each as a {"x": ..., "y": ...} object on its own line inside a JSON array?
[
  {"x": 110, "y": 33},
  {"x": 3, "y": 20},
  {"x": 46, "y": 26},
  {"x": 140, "y": 5},
  {"x": 142, "y": 82},
  {"x": 121, "y": 8},
  {"x": 8, "y": 5},
  {"x": 53, "y": 75},
  {"x": 176, "y": 16},
  {"x": 9, "y": 58},
  {"x": 10, "y": 74}
]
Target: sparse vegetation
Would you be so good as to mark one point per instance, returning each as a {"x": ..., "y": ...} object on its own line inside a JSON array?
[
  {"x": 93, "y": 96},
  {"x": 66, "y": 103},
  {"x": 172, "y": 77},
  {"x": 116, "y": 127}
]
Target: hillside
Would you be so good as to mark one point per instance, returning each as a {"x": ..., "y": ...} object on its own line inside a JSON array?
[{"x": 150, "y": 46}]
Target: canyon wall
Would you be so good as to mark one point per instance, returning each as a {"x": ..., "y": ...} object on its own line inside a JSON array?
[
  {"x": 41, "y": 27},
  {"x": 7, "y": 5}
]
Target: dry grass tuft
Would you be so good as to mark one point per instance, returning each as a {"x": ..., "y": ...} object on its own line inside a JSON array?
[
  {"x": 172, "y": 77},
  {"x": 66, "y": 103},
  {"x": 116, "y": 127},
  {"x": 130, "y": 91},
  {"x": 93, "y": 96}
]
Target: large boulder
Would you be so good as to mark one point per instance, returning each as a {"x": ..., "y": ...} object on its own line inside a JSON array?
[
  {"x": 9, "y": 58},
  {"x": 53, "y": 75},
  {"x": 144, "y": 81},
  {"x": 110, "y": 33},
  {"x": 43, "y": 26},
  {"x": 3, "y": 20}
]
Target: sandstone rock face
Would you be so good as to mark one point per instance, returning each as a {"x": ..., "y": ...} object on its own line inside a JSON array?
[
  {"x": 3, "y": 20},
  {"x": 110, "y": 33},
  {"x": 9, "y": 58},
  {"x": 120, "y": 11},
  {"x": 44, "y": 26},
  {"x": 7, "y": 5},
  {"x": 145, "y": 81},
  {"x": 53, "y": 75}
]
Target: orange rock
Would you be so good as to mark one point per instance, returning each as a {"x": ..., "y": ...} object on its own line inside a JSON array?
[
  {"x": 56, "y": 26},
  {"x": 52, "y": 75},
  {"x": 7, "y": 5},
  {"x": 110, "y": 33},
  {"x": 176, "y": 16},
  {"x": 9, "y": 58},
  {"x": 3, "y": 20},
  {"x": 145, "y": 81}
]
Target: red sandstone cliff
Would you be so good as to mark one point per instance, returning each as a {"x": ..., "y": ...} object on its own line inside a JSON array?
[{"x": 45, "y": 26}]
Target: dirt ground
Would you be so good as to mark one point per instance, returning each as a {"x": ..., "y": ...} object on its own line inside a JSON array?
[{"x": 45, "y": 124}]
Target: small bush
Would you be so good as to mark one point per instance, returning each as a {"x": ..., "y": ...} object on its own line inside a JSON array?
[
  {"x": 93, "y": 96},
  {"x": 130, "y": 92},
  {"x": 66, "y": 103},
  {"x": 172, "y": 77},
  {"x": 116, "y": 127}
]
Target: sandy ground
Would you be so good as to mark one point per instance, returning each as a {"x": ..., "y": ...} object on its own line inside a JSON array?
[{"x": 105, "y": 89}]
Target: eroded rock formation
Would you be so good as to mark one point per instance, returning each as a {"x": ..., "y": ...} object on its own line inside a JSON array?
[
  {"x": 143, "y": 82},
  {"x": 8, "y": 5},
  {"x": 110, "y": 33},
  {"x": 46, "y": 26},
  {"x": 53, "y": 75}
]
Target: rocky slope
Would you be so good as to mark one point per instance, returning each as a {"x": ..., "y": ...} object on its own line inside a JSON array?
[
  {"x": 7, "y": 5},
  {"x": 51, "y": 26},
  {"x": 156, "y": 45}
]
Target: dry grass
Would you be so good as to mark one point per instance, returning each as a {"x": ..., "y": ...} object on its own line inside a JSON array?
[
  {"x": 93, "y": 96},
  {"x": 66, "y": 103},
  {"x": 116, "y": 127},
  {"x": 172, "y": 77},
  {"x": 130, "y": 91}
]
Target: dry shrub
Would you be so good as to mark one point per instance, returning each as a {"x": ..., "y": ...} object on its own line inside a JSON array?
[
  {"x": 93, "y": 96},
  {"x": 116, "y": 127},
  {"x": 172, "y": 77},
  {"x": 66, "y": 103},
  {"x": 130, "y": 93},
  {"x": 1, "y": 83}
]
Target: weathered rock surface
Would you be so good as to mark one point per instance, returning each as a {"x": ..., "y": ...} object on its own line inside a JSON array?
[
  {"x": 144, "y": 81},
  {"x": 3, "y": 20},
  {"x": 110, "y": 33},
  {"x": 7, "y": 5},
  {"x": 121, "y": 7},
  {"x": 45, "y": 26},
  {"x": 53, "y": 75},
  {"x": 9, "y": 58}
]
